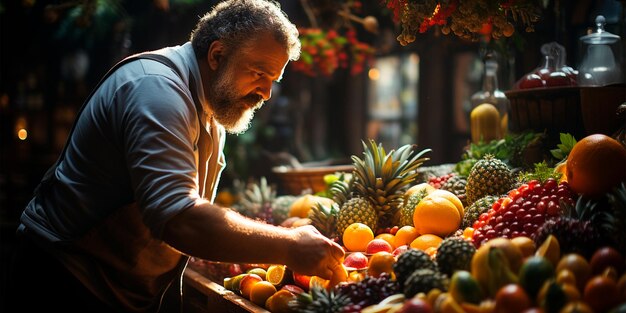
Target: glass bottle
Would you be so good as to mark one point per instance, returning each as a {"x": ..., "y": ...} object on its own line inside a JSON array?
[{"x": 491, "y": 94}]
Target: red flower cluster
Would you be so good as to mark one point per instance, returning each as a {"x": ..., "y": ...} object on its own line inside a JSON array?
[
  {"x": 323, "y": 52},
  {"x": 464, "y": 18}
]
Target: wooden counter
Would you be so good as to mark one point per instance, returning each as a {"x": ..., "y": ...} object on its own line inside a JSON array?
[{"x": 203, "y": 295}]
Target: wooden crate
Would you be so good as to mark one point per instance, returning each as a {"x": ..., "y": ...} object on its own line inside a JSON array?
[{"x": 201, "y": 295}]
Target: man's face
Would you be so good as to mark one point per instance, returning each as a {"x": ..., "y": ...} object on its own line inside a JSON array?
[{"x": 243, "y": 81}]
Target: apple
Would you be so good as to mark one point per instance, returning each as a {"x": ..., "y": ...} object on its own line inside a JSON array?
[
  {"x": 246, "y": 284},
  {"x": 377, "y": 245},
  {"x": 356, "y": 260},
  {"x": 293, "y": 289},
  {"x": 399, "y": 250},
  {"x": 416, "y": 305},
  {"x": 302, "y": 280}
]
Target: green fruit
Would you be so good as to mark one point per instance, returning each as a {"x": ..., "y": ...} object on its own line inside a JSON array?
[
  {"x": 535, "y": 271},
  {"x": 464, "y": 288}
]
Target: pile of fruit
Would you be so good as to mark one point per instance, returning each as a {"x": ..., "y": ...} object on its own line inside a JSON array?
[{"x": 546, "y": 239}]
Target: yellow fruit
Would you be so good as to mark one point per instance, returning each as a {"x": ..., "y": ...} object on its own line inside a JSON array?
[
  {"x": 511, "y": 252},
  {"x": 525, "y": 245},
  {"x": 279, "y": 302},
  {"x": 450, "y": 197},
  {"x": 550, "y": 249},
  {"x": 436, "y": 215},
  {"x": 302, "y": 206},
  {"x": 261, "y": 291},
  {"x": 485, "y": 123},
  {"x": 426, "y": 241},
  {"x": 405, "y": 235},
  {"x": 381, "y": 262},
  {"x": 357, "y": 236},
  {"x": 578, "y": 265},
  {"x": 419, "y": 187},
  {"x": 278, "y": 274},
  {"x": 259, "y": 271},
  {"x": 339, "y": 276},
  {"x": 391, "y": 239}
]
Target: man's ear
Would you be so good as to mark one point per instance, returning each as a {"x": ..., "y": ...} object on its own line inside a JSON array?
[{"x": 215, "y": 54}]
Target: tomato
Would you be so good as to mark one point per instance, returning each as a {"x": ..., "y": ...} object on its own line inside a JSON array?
[
  {"x": 606, "y": 257},
  {"x": 512, "y": 298}
]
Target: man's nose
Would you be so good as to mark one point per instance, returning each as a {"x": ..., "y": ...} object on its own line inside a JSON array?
[{"x": 265, "y": 89}]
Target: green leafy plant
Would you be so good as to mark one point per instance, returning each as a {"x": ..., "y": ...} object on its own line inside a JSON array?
[
  {"x": 563, "y": 149},
  {"x": 540, "y": 173}
]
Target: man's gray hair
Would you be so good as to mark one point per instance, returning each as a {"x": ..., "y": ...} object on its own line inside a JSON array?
[{"x": 234, "y": 22}]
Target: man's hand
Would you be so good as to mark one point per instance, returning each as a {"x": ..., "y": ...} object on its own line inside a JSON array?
[{"x": 314, "y": 254}]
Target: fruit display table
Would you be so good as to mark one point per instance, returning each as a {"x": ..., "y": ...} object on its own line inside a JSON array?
[{"x": 204, "y": 295}]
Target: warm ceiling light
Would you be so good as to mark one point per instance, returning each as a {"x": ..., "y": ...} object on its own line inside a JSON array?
[{"x": 373, "y": 74}]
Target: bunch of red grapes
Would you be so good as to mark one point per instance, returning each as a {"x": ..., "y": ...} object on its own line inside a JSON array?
[{"x": 523, "y": 210}]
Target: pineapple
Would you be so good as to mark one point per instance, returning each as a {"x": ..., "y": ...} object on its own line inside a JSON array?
[
  {"x": 456, "y": 185},
  {"x": 256, "y": 201},
  {"x": 324, "y": 218},
  {"x": 280, "y": 208},
  {"x": 424, "y": 280},
  {"x": 410, "y": 261},
  {"x": 356, "y": 210},
  {"x": 453, "y": 254},
  {"x": 473, "y": 212},
  {"x": 489, "y": 176},
  {"x": 320, "y": 300},
  {"x": 408, "y": 207},
  {"x": 380, "y": 178}
]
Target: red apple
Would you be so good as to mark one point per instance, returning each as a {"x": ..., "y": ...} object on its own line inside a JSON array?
[
  {"x": 399, "y": 250},
  {"x": 356, "y": 260},
  {"x": 416, "y": 305},
  {"x": 293, "y": 289},
  {"x": 246, "y": 284},
  {"x": 377, "y": 245},
  {"x": 302, "y": 280}
]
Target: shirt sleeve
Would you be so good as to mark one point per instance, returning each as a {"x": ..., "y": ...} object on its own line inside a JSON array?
[{"x": 159, "y": 128}]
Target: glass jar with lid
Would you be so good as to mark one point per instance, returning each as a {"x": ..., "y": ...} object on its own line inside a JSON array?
[{"x": 601, "y": 62}]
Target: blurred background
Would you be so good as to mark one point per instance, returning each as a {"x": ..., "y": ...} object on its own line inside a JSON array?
[{"x": 358, "y": 78}]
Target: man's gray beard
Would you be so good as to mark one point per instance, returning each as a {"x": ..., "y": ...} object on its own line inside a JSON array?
[{"x": 230, "y": 109}]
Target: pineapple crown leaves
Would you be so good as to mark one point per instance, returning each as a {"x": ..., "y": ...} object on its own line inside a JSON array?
[
  {"x": 608, "y": 213},
  {"x": 255, "y": 196},
  {"x": 341, "y": 190},
  {"x": 319, "y": 300},
  {"x": 381, "y": 174},
  {"x": 324, "y": 218}
]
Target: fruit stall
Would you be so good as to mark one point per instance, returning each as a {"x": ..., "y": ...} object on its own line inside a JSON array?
[
  {"x": 487, "y": 234},
  {"x": 532, "y": 217}
]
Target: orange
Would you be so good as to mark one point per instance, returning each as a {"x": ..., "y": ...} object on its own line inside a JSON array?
[
  {"x": 302, "y": 206},
  {"x": 450, "y": 197},
  {"x": 426, "y": 241},
  {"x": 405, "y": 235},
  {"x": 436, "y": 215},
  {"x": 380, "y": 262},
  {"x": 391, "y": 239},
  {"x": 340, "y": 275},
  {"x": 261, "y": 291},
  {"x": 357, "y": 236},
  {"x": 596, "y": 164},
  {"x": 278, "y": 274},
  {"x": 279, "y": 301}
]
